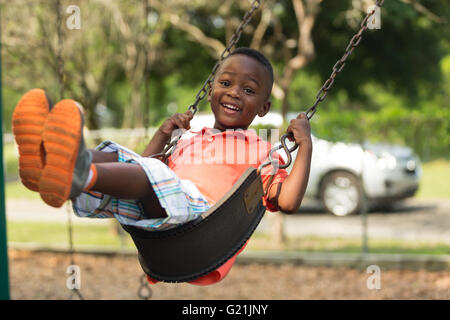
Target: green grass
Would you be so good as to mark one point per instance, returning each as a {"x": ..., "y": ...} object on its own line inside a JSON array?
[
  {"x": 348, "y": 245},
  {"x": 435, "y": 181},
  {"x": 16, "y": 190},
  {"x": 55, "y": 234},
  {"x": 10, "y": 157}
]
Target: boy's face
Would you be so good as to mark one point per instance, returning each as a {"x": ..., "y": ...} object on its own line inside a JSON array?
[{"x": 240, "y": 91}]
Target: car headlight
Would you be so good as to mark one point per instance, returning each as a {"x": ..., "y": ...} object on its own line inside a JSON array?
[
  {"x": 384, "y": 160},
  {"x": 411, "y": 165}
]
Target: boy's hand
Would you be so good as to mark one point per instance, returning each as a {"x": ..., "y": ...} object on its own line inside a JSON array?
[
  {"x": 300, "y": 128},
  {"x": 177, "y": 121}
]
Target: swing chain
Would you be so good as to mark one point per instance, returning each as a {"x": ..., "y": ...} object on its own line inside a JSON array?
[
  {"x": 144, "y": 292},
  {"x": 76, "y": 292},
  {"x": 339, "y": 65},
  {"x": 168, "y": 148},
  {"x": 274, "y": 162}
]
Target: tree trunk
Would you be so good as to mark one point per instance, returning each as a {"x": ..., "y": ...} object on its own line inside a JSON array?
[
  {"x": 134, "y": 117},
  {"x": 278, "y": 234}
]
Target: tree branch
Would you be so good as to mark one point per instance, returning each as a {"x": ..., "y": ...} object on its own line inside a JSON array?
[
  {"x": 266, "y": 17},
  {"x": 196, "y": 33},
  {"x": 420, "y": 8}
]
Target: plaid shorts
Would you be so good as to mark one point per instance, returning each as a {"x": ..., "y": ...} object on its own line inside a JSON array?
[{"x": 180, "y": 198}]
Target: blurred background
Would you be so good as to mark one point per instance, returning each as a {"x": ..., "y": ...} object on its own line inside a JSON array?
[{"x": 379, "y": 192}]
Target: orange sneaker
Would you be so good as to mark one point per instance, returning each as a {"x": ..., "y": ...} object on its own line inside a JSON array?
[
  {"x": 67, "y": 159},
  {"x": 28, "y": 124}
]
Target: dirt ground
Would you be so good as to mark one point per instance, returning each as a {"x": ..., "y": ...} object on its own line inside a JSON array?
[{"x": 42, "y": 275}]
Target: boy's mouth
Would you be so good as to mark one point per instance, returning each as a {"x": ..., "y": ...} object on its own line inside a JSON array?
[{"x": 230, "y": 108}]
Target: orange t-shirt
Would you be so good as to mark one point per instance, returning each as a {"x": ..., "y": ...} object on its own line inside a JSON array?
[{"x": 213, "y": 161}]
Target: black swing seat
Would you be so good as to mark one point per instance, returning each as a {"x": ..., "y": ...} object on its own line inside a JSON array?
[{"x": 201, "y": 246}]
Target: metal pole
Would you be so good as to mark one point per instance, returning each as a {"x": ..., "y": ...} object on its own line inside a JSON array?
[{"x": 4, "y": 274}]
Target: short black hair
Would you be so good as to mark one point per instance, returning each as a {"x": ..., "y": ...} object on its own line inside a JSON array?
[{"x": 255, "y": 54}]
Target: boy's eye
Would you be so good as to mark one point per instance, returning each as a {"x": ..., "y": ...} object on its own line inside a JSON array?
[
  {"x": 225, "y": 83},
  {"x": 249, "y": 90}
]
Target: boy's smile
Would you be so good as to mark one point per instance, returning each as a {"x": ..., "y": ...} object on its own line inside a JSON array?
[{"x": 240, "y": 91}]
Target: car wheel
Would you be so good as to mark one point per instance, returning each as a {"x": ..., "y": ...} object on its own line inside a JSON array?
[{"x": 341, "y": 193}]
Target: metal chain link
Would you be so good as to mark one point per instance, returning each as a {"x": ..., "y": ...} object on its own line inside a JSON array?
[
  {"x": 144, "y": 291},
  {"x": 339, "y": 65}
]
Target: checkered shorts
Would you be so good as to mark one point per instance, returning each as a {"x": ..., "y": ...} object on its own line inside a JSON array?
[{"x": 180, "y": 198}]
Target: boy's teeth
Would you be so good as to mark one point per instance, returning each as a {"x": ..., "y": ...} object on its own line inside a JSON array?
[{"x": 231, "y": 107}]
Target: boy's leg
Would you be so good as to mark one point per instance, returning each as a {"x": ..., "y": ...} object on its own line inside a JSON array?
[
  {"x": 54, "y": 161},
  {"x": 128, "y": 181},
  {"x": 68, "y": 164},
  {"x": 133, "y": 184}
]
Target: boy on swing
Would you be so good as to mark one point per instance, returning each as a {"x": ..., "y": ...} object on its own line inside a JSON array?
[{"x": 147, "y": 193}]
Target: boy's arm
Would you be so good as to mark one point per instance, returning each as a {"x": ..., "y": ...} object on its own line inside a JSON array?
[
  {"x": 164, "y": 133},
  {"x": 156, "y": 144},
  {"x": 288, "y": 196}
]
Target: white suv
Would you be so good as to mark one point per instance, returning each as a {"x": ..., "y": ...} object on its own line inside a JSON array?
[{"x": 344, "y": 175}]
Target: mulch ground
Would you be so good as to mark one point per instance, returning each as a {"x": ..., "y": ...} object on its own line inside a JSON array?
[{"x": 42, "y": 275}]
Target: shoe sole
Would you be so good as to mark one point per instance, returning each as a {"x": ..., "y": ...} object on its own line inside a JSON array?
[
  {"x": 28, "y": 124},
  {"x": 61, "y": 136}
]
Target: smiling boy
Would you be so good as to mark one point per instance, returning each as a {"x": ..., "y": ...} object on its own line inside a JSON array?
[{"x": 148, "y": 193}]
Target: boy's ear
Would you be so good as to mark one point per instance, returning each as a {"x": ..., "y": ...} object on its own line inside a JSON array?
[{"x": 266, "y": 107}]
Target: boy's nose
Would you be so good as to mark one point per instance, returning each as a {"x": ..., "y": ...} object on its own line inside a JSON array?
[{"x": 233, "y": 92}]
